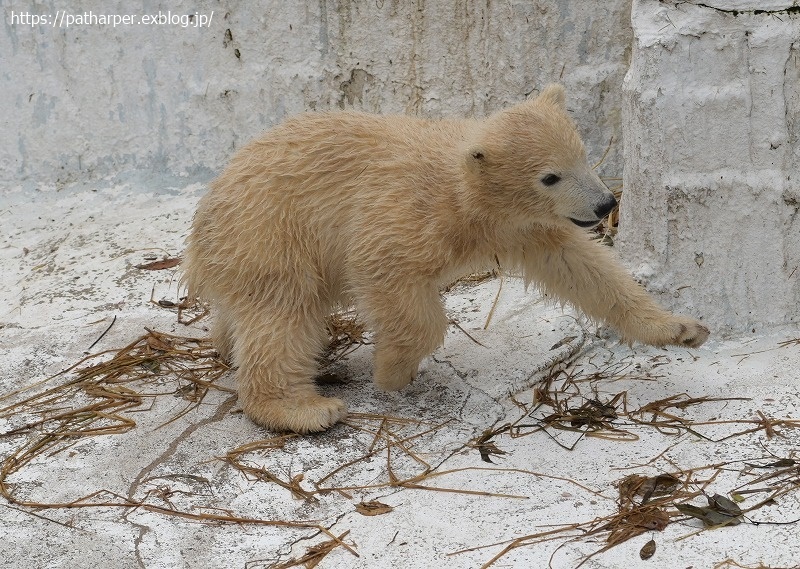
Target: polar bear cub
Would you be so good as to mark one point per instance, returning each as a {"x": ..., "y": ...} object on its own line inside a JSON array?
[{"x": 348, "y": 208}]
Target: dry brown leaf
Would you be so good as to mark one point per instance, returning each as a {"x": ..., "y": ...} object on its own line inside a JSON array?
[
  {"x": 711, "y": 515},
  {"x": 160, "y": 265},
  {"x": 647, "y": 550},
  {"x": 373, "y": 508},
  {"x": 487, "y": 449},
  {"x": 562, "y": 342},
  {"x": 160, "y": 344}
]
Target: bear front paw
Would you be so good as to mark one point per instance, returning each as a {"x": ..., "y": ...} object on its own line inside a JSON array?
[
  {"x": 668, "y": 329},
  {"x": 692, "y": 334}
]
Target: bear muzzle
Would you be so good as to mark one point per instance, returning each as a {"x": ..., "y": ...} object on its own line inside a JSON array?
[
  {"x": 600, "y": 211},
  {"x": 606, "y": 207}
]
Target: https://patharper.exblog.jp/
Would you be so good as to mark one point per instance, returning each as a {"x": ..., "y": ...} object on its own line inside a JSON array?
[{"x": 66, "y": 19}]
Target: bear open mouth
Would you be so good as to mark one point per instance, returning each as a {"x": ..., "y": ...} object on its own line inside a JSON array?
[{"x": 587, "y": 224}]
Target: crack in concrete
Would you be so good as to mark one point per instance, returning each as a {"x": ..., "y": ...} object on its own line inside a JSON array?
[
  {"x": 751, "y": 150},
  {"x": 791, "y": 134},
  {"x": 144, "y": 529},
  {"x": 224, "y": 409},
  {"x": 287, "y": 550},
  {"x": 461, "y": 374},
  {"x": 472, "y": 389},
  {"x": 754, "y": 12}
]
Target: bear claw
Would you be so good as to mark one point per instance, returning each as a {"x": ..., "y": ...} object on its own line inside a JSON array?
[{"x": 692, "y": 335}]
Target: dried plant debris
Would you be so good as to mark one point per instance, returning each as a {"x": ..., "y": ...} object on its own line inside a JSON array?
[
  {"x": 647, "y": 550},
  {"x": 373, "y": 508},
  {"x": 316, "y": 553},
  {"x": 591, "y": 416},
  {"x": 645, "y": 503},
  {"x": 253, "y": 472},
  {"x": 486, "y": 447},
  {"x": 719, "y": 512},
  {"x": 607, "y": 229},
  {"x": 189, "y": 310},
  {"x": 474, "y": 278},
  {"x": 612, "y": 418},
  {"x": 346, "y": 333},
  {"x": 97, "y": 395},
  {"x": 160, "y": 265},
  {"x": 387, "y": 439},
  {"x": 731, "y": 564}
]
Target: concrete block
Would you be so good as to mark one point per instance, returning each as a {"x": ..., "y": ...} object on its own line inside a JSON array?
[{"x": 711, "y": 113}]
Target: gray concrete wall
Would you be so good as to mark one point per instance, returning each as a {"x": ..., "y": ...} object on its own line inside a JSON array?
[
  {"x": 712, "y": 192},
  {"x": 711, "y": 107},
  {"x": 91, "y": 100}
]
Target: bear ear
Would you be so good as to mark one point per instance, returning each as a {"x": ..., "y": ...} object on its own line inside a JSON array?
[
  {"x": 476, "y": 158},
  {"x": 554, "y": 94}
]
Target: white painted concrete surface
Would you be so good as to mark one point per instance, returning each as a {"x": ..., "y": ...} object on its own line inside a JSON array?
[
  {"x": 712, "y": 108},
  {"x": 91, "y": 101},
  {"x": 79, "y": 272}
]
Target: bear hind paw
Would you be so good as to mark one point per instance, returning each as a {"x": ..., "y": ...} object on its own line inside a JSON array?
[{"x": 302, "y": 415}]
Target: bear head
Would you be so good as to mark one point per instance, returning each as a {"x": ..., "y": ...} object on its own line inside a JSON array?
[{"x": 528, "y": 165}]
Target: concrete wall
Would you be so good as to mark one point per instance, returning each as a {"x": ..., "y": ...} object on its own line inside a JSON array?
[
  {"x": 710, "y": 106},
  {"x": 712, "y": 161},
  {"x": 94, "y": 101}
]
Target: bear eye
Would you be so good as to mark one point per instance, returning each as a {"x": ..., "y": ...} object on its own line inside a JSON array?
[{"x": 551, "y": 179}]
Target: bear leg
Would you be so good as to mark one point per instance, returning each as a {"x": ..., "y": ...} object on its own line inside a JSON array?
[
  {"x": 222, "y": 333},
  {"x": 276, "y": 351},
  {"x": 587, "y": 274},
  {"x": 409, "y": 326}
]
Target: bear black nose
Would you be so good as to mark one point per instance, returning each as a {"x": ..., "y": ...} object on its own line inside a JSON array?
[{"x": 605, "y": 207}]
